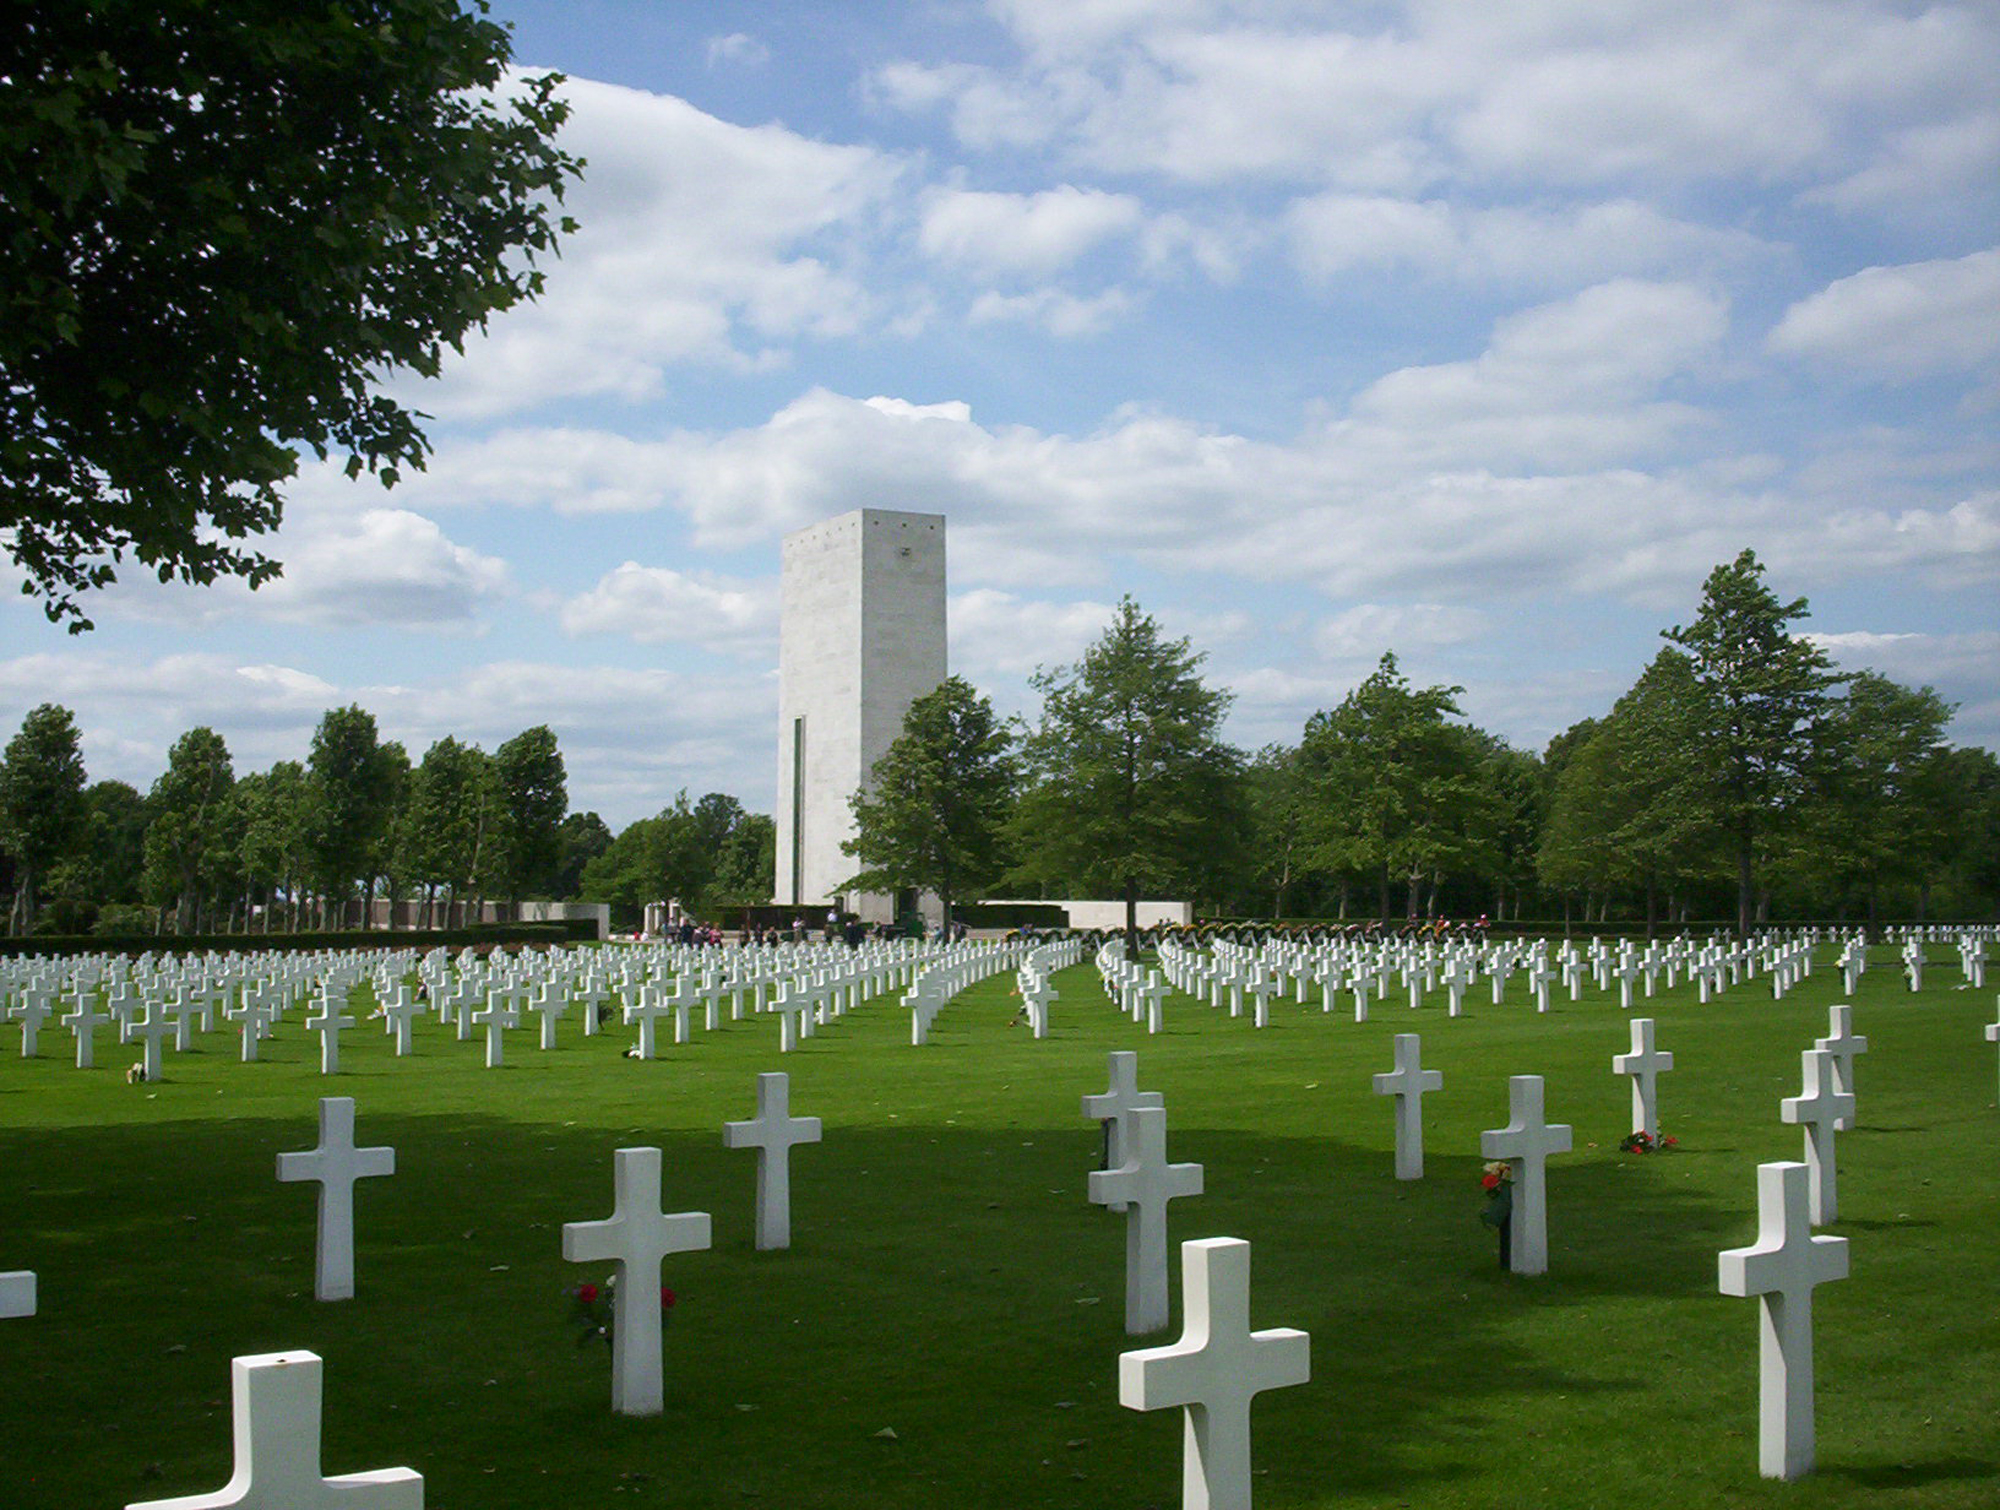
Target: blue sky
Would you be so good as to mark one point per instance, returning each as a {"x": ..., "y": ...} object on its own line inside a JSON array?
[{"x": 1479, "y": 333}]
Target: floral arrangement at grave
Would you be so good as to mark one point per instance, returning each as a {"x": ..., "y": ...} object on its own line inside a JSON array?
[
  {"x": 1496, "y": 1178},
  {"x": 1645, "y": 1142},
  {"x": 594, "y": 1309}
]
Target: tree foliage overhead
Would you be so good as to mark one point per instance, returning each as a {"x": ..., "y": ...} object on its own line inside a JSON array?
[
  {"x": 1132, "y": 788},
  {"x": 226, "y": 224},
  {"x": 933, "y": 812}
]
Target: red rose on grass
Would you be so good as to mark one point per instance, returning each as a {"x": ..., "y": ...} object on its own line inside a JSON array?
[
  {"x": 667, "y": 1298},
  {"x": 587, "y": 1294},
  {"x": 1489, "y": 1182}
]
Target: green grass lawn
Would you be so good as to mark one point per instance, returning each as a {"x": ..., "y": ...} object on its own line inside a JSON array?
[{"x": 949, "y": 1281}]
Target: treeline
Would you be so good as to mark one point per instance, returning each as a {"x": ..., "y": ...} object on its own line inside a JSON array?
[
  {"x": 314, "y": 844},
  {"x": 1739, "y": 778}
]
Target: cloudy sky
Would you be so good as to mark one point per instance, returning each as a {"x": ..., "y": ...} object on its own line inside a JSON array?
[{"x": 1479, "y": 333}]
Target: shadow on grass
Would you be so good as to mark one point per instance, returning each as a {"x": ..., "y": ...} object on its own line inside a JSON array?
[{"x": 1909, "y": 1475}]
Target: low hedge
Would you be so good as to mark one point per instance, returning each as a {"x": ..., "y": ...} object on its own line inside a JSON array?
[{"x": 574, "y": 930}]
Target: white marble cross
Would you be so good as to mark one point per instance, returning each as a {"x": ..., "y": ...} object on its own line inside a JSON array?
[
  {"x": 328, "y": 1020},
  {"x": 1993, "y": 1032},
  {"x": 773, "y": 1132},
  {"x": 336, "y": 1164},
  {"x": 589, "y": 996},
  {"x": 1819, "y": 1108},
  {"x": 1529, "y": 1141},
  {"x": 549, "y": 1003},
  {"x": 1115, "y": 1105},
  {"x": 275, "y": 1425},
  {"x": 31, "y": 1014},
  {"x": 681, "y": 999},
  {"x": 401, "y": 1009},
  {"x": 1145, "y": 1182},
  {"x": 1843, "y": 1045},
  {"x": 637, "y": 1237},
  {"x": 1645, "y": 1064},
  {"x": 1781, "y": 1268},
  {"x": 1407, "y": 1083},
  {"x": 644, "y": 1007},
  {"x": 1149, "y": 994},
  {"x": 495, "y": 1017},
  {"x": 151, "y": 1026},
  {"x": 17, "y": 1293},
  {"x": 1213, "y": 1373},
  {"x": 1456, "y": 978},
  {"x": 83, "y": 1020},
  {"x": 1540, "y": 974}
]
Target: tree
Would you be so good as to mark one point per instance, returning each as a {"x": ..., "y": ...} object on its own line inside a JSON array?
[
  {"x": 582, "y": 838},
  {"x": 42, "y": 809},
  {"x": 449, "y": 834},
  {"x": 225, "y": 225},
  {"x": 932, "y": 814},
  {"x": 1131, "y": 786},
  {"x": 746, "y": 871},
  {"x": 351, "y": 790},
  {"x": 1765, "y": 692},
  {"x": 186, "y": 842},
  {"x": 274, "y": 844},
  {"x": 534, "y": 799},
  {"x": 104, "y": 867},
  {"x": 1505, "y": 819},
  {"x": 1628, "y": 807},
  {"x": 1277, "y": 797},
  {"x": 695, "y": 852},
  {"x": 1391, "y": 779},
  {"x": 1882, "y": 802}
]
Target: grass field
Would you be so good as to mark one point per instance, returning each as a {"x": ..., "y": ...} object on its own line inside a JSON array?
[{"x": 949, "y": 1281}]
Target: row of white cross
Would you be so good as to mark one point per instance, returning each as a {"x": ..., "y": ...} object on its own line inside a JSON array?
[{"x": 805, "y": 986}]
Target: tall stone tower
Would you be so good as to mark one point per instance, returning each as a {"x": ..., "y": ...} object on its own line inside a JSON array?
[{"x": 861, "y": 637}]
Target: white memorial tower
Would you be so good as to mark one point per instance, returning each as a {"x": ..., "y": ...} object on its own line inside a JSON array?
[{"x": 861, "y": 637}]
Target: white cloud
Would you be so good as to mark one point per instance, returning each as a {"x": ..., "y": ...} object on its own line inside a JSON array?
[
  {"x": 1367, "y": 630},
  {"x": 1335, "y": 233},
  {"x": 1033, "y": 235},
  {"x": 654, "y": 604},
  {"x": 739, "y": 48},
  {"x": 999, "y": 632},
  {"x": 1932, "y": 163},
  {"x": 375, "y": 568},
  {"x": 698, "y": 241},
  {"x": 1063, "y": 315},
  {"x": 1566, "y": 384},
  {"x": 1395, "y": 99},
  {"x": 1901, "y": 322}
]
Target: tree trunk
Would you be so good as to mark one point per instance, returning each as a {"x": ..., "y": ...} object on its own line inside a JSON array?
[
  {"x": 1132, "y": 918},
  {"x": 1745, "y": 888}
]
